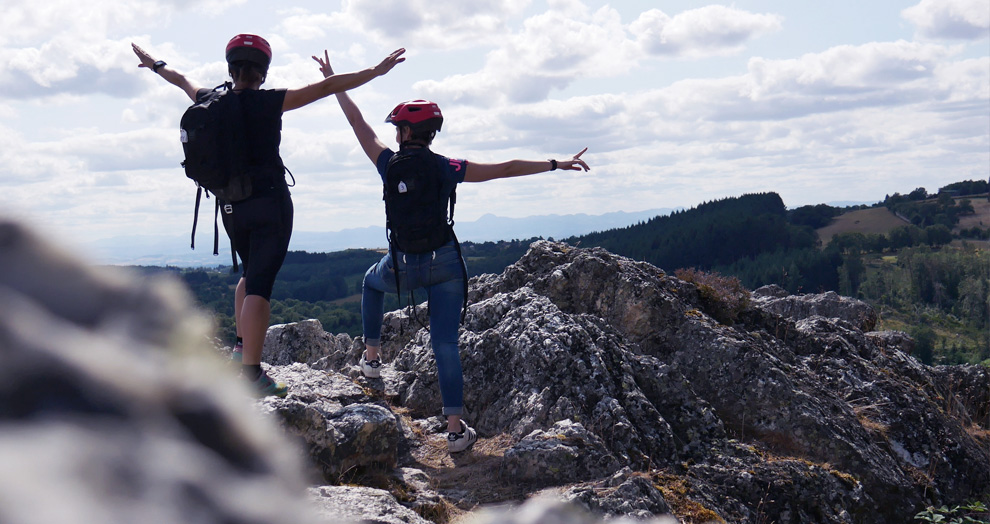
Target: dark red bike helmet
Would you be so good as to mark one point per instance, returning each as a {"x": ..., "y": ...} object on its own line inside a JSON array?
[
  {"x": 417, "y": 114},
  {"x": 251, "y": 48}
]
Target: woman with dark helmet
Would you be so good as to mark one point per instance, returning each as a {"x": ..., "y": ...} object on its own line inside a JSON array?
[
  {"x": 440, "y": 270},
  {"x": 260, "y": 226}
]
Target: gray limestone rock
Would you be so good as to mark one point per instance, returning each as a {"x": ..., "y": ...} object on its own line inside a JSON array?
[
  {"x": 115, "y": 409},
  {"x": 566, "y": 452},
  {"x": 625, "y": 494},
  {"x": 362, "y": 505},
  {"x": 339, "y": 424},
  {"x": 829, "y": 305},
  {"x": 600, "y": 382},
  {"x": 305, "y": 342},
  {"x": 551, "y": 509}
]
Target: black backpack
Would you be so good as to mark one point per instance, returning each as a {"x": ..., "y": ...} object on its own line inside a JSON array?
[
  {"x": 417, "y": 216},
  {"x": 214, "y": 142},
  {"x": 416, "y": 210}
]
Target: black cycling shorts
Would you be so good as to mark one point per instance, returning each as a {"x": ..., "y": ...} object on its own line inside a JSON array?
[{"x": 260, "y": 228}]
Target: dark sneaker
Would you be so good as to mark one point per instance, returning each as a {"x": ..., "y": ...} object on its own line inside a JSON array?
[
  {"x": 267, "y": 387},
  {"x": 371, "y": 368},
  {"x": 463, "y": 440}
]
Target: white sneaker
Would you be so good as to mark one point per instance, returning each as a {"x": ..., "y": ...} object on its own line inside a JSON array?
[
  {"x": 371, "y": 368},
  {"x": 462, "y": 441}
]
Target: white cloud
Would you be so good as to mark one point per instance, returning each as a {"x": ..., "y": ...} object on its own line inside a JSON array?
[
  {"x": 965, "y": 81},
  {"x": 708, "y": 31},
  {"x": 849, "y": 115},
  {"x": 64, "y": 66},
  {"x": 433, "y": 24},
  {"x": 28, "y": 23},
  {"x": 552, "y": 126},
  {"x": 66, "y": 46},
  {"x": 876, "y": 97},
  {"x": 562, "y": 45},
  {"x": 673, "y": 108},
  {"x": 950, "y": 19},
  {"x": 305, "y": 25},
  {"x": 207, "y": 7},
  {"x": 550, "y": 52},
  {"x": 877, "y": 74}
]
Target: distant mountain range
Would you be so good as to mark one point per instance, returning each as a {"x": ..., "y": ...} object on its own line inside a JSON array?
[{"x": 173, "y": 250}]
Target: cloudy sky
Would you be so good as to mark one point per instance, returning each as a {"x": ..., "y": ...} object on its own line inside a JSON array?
[{"x": 679, "y": 102}]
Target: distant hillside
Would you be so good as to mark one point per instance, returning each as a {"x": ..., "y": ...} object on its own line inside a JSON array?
[
  {"x": 981, "y": 217},
  {"x": 173, "y": 250},
  {"x": 712, "y": 234},
  {"x": 757, "y": 240},
  {"x": 873, "y": 220},
  {"x": 874, "y": 255},
  {"x": 881, "y": 220}
]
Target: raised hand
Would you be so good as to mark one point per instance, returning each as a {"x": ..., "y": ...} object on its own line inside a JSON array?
[
  {"x": 575, "y": 163},
  {"x": 143, "y": 56},
  {"x": 386, "y": 65},
  {"x": 324, "y": 64}
]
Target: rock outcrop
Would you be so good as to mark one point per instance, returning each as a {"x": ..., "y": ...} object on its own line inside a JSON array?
[
  {"x": 601, "y": 388},
  {"x": 111, "y": 413},
  {"x": 580, "y": 364}
]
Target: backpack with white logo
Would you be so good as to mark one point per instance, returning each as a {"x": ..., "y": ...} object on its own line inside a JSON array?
[
  {"x": 416, "y": 209},
  {"x": 214, "y": 141},
  {"x": 215, "y": 145}
]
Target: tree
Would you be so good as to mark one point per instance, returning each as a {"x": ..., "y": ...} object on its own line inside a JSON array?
[
  {"x": 967, "y": 187},
  {"x": 974, "y": 299},
  {"x": 813, "y": 216},
  {"x": 851, "y": 274},
  {"x": 938, "y": 235},
  {"x": 918, "y": 194},
  {"x": 924, "y": 343},
  {"x": 906, "y": 236}
]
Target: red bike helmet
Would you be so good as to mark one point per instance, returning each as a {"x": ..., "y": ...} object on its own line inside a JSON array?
[
  {"x": 251, "y": 48},
  {"x": 417, "y": 114}
]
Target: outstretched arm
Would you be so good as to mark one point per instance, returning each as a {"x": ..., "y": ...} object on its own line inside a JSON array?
[
  {"x": 171, "y": 75},
  {"x": 296, "y": 98},
  {"x": 366, "y": 136},
  {"x": 477, "y": 172}
]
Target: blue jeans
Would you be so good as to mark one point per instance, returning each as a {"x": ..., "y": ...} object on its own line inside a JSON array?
[{"x": 442, "y": 274}]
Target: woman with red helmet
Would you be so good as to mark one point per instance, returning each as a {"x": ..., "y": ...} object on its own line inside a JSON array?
[
  {"x": 260, "y": 226},
  {"x": 441, "y": 270}
]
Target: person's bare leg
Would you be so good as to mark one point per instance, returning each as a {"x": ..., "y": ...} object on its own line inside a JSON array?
[
  {"x": 239, "y": 293},
  {"x": 371, "y": 352},
  {"x": 253, "y": 323},
  {"x": 454, "y": 423}
]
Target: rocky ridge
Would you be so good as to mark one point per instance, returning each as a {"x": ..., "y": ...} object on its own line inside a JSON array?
[
  {"x": 588, "y": 374},
  {"x": 601, "y": 388}
]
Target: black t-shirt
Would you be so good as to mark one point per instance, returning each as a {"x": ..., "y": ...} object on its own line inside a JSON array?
[{"x": 263, "y": 119}]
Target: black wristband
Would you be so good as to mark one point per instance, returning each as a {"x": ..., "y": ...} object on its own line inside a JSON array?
[
  {"x": 553, "y": 164},
  {"x": 156, "y": 65}
]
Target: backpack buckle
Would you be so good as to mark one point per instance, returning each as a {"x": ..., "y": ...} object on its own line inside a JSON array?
[{"x": 228, "y": 209}]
